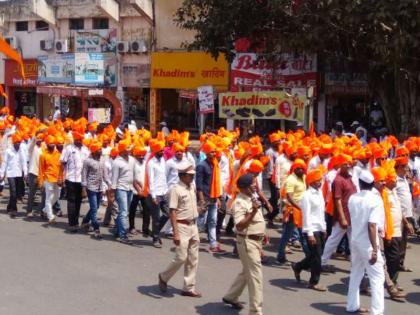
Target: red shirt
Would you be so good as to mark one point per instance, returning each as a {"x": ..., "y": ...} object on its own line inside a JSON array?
[{"x": 343, "y": 188}]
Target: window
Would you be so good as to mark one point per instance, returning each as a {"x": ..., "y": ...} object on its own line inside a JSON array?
[
  {"x": 41, "y": 26},
  {"x": 22, "y": 26},
  {"x": 100, "y": 24},
  {"x": 76, "y": 24}
]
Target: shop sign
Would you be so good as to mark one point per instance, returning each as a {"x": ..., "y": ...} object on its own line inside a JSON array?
[
  {"x": 96, "y": 92},
  {"x": 135, "y": 75},
  {"x": 187, "y": 70},
  {"x": 261, "y": 105},
  {"x": 56, "y": 68},
  {"x": 206, "y": 99},
  {"x": 249, "y": 72},
  {"x": 62, "y": 91},
  {"x": 95, "y": 41},
  {"x": 346, "y": 83},
  {"x": 100, "y": 115},
  {"x": 13, "y": 74},
  {"x": 95, "y": 69}
]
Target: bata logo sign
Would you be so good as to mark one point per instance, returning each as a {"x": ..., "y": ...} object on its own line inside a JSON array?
[
  {"x": 251, "y": 73},
  {"x": 261, "y": 105}
]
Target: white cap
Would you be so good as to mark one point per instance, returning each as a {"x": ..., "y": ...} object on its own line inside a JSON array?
[
  {"x": 163, "y": 123},
  {"x": 354, "y": 123},
  {"x": 367, "y": 177},
  {"x": 299, "y": 124},
  {"x": 339, "y": 123}
]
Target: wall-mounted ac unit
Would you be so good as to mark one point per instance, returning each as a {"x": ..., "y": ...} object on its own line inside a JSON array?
[
  {"x": 12, "y": 41},
  {"x": 61, "y": 46},
  {"x": 123, "y": 47},
  {"x": 138, "y": 46},
  {"x": 46, "y": 44}
]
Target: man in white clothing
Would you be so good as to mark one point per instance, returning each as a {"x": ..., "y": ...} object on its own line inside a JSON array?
[
  {"x": 35, "y": 150},
  {"x": 367, "y": 217}
]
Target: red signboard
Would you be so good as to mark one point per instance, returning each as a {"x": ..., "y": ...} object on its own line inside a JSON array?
[
  {"x": 13, "y": 77},
  {"x": 250, "y": 73}
]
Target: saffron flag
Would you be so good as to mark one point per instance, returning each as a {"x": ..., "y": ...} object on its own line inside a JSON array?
[
  {"x": 12, "y": 54},
  {"x": 2, "y": 92}
]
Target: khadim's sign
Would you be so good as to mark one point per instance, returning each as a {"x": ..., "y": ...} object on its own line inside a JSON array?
[
  {"x": 188, "y": 70},
  {"x": 261, "y": 105}
]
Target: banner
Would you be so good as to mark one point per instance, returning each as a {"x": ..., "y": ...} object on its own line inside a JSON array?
[
  {"x": 95, "y": 41},
  {"x": 135, "y": 75},
  {"x": 187, "y": 70},
  {"x": 56, "y": 68},
  {"x": 249, "y": 72},
  {"x": 261, "y": 105},
  {"x": 206, "y": 99},
  {"x": 95, "y": 69},
  {"x": 100, "y": 115},
  {"x": 13, "y": 73}
]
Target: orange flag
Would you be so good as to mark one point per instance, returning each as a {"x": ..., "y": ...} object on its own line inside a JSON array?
[
  {"x": 312, "y": 130},
  {"x": 12, "y": 54},
  {"x": 2, "y": 92}
]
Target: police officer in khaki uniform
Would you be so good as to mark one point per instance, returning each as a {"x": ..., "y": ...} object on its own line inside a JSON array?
[
  {"x": 183, "y": 215},
  {"x": 250, "y": 226}
]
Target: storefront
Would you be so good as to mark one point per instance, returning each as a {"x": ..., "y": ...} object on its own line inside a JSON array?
[
  {"x": 175, "y": 77},
  {"x": 22, "y": 97}
]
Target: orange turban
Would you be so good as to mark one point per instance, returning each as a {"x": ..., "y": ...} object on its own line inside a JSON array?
[
  {"x": 95, "y": 146},
  {"x": 176, "y": 147},
  {"x": 298, "y": 163},
  {"x": 325, "y": 149},
  {"x": 265, "y": 159},
  {"x": 59, "y": 140},
  {"x": 123, "y": 145},
  {"x": 40, "y": 136},
  {"x": 77, "y": 135},
  {"x": 157, "y": 146},
  {"x": 16, "y": 138},
  {"x": 411, "y": 146},
  {"x": 380, "y": 154},
  {"x": 401, "y": 151},
  {"x": 208, "y": 147},
  {"x": 2, "y": 125},
  {"x": 114, "y": 152},
  {"x": 139, "y": 151},
  {"x": 274, "y": 137},
  {"x": 303, "y": 150},
  {"x": 313, "y": 176},
  {"x": 239, "y": 153},
  {"x": 289, "y": 148},
  {"x": 50, "y": 140},
  {"x": 379, "y": 174},
  {"x": 401, "y": 160},
  {"x": 256, "y": 166},
  {"x": 344, "y": 158},
  {"x": 256, "y": 149},
  {"x": 93, "y": 126}
]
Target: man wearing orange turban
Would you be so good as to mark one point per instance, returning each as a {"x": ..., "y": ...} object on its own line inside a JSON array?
[
  {"x": 94, "y": 180},
  {"x": 294, "y": 187},
  {"x": 362, "y": 164},
  {"x": 273, "y": 153},
  {"x": 342, "y": 188},
  {"x": 13, "y": 166},
  {"x": 314, "y": 228},
  {"x": 321, "y": 158},
  {"x": 72, "y": 159}
]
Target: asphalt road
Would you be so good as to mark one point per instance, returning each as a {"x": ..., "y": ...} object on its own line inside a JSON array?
[{"x": 44, "y": 270}]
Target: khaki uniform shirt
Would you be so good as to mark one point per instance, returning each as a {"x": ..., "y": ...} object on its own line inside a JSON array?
[
  {"x": 183, "y": 199},
  {"x": 240, "y": 207}
]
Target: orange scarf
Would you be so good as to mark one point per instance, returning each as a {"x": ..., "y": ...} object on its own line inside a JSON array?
[
  {"x": 389, "y": 227},
  {"x": 146, "y": 177},
  {"x": 229, "y": 183},
  {"x": 215, "y": 180}
]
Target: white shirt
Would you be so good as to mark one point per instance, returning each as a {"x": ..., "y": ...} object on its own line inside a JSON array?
[
  {"x": 273, "y": 154},
  {"x": 316, "y": 161},
  {"x": 34, "y": 160},
  {"x": 224, "y": 170},
  {"x": 357, "y": 170},
  {"x": 365, "y": 207},
  {"x": 123, "y": 173},
  {"x": 396, "y": 212},
  {"x": 156, "y": 172},
  {"x": 108, "y": 168},
  {"x": 139, "y": 172},
  {"x": 73, "y": 158},
  {"x": 106, "y": 152},
  {"x": 282, "y": 166},
  {"x": 313, "y": 211},
  {"x": 190, "y": 158},
  {"x": 171, "y": 171},
  {"x": 417, "y": 168},
  {"x": 14, "y": 163},
  {"x": 404, "y": 195}
]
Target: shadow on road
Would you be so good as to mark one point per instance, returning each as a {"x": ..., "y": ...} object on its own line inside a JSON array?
[
  {"x": 331, "y": 308},
  {"x": 413, "y": 298},
  {"x": 153, "y": 291},
  {"x": 287, "y": 284},
  {"x": 215, "y": 309},
  {"x": 416, "y": 282}
]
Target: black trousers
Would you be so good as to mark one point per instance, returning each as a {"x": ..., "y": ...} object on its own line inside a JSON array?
[
  {"x": 274, "y": 199},
  {"x": 392, "y": 250},
  {"x": 33, "y": 188},
  {"x": 403, "y": 244},
  {"x": 20, "y": 187},
  {"x": 74, "y": 201},
  {"x": 159, "y": 213},
  {"x": 13, "y": 184},
  {"x": 313, "y": 260},
  {"x": 132, "y": 213}
]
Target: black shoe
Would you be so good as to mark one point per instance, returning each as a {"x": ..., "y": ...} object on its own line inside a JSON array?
[
  {"x": 296, "y": 272},
  {"x": 235, "y": 305},
  {"x": 163, "y": 286},
  {"x": 125, "y": 241},
  {"x": 282, "y": 260}
]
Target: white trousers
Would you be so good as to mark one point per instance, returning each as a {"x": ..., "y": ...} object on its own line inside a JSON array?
[
  {"x": 167, "y": 228},
  {"x": 360, "y": 256},
  {"x": 333, "y": 240},
  {"x": 52, "y": 193}
]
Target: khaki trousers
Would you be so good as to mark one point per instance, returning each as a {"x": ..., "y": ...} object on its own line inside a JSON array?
[
  {"x": 251, "y": 275},
  {"x": 185, "y": 254}
]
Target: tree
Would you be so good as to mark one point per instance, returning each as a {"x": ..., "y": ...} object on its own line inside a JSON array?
[{"x": 382, "y": 35}]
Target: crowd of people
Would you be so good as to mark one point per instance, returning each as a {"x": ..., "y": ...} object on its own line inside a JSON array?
[{"x": 332, "y": 193}]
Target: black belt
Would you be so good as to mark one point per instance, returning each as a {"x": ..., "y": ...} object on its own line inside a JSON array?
[
  {"x": 254, "y": 237},
  {"x": 186, "y": 222}
]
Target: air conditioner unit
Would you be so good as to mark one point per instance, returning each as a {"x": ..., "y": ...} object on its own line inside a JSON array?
[
  {"x": 61, "y": 46},
  {"x": 138, "y": 46},
  {"x": 46, "y": 44},
  {"x": 12, "y": 41},
  {"x": 123, "y": 47}
]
